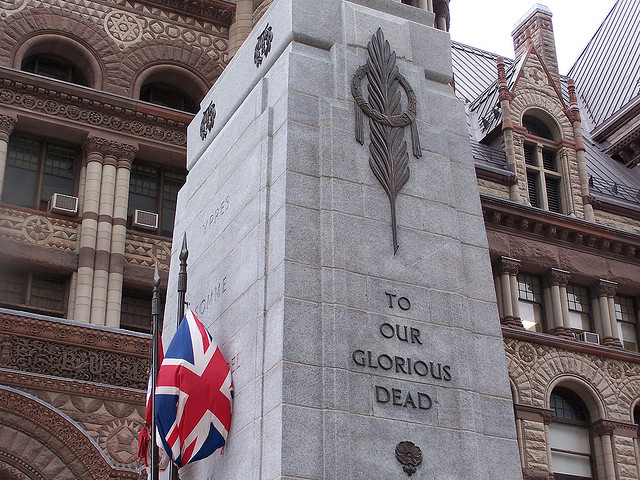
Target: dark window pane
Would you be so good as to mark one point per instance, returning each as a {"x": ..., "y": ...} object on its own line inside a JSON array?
[
  {"x": 553, "y": 194},
  {"x": 565, "y": 404},
  {"x": 53, "y": 66},
  {"x": 529, "y": 153},
  {"x": 143, "y": 189},
  {"x": 536, "y": 127},
  {"x": 136, "y": 312},
  {"x": 168, "y": 96},
  {"x": 533, "y": 188},
  {"x": 20, "y": 186},
  {"x": 173, "y": 181},
  {"x": 13, "y": 287},
  {"x": 47, "y": 293},
  {"x": 549, "y": 160}
]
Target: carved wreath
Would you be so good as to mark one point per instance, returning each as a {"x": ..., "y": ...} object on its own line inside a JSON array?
[{"x": 389, "y": 159}]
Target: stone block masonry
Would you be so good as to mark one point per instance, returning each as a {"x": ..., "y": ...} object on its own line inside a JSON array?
[{"x": 340, "y": 349}]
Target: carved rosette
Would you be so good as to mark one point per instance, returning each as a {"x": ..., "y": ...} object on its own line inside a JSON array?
[
  {"x": 389, "y": 160},
  {"x": 51, "y": 231},
  {"x": 409, "y": 455}
]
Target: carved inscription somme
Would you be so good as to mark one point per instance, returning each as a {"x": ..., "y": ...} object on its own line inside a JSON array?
[{"x": 402, "y": 366}]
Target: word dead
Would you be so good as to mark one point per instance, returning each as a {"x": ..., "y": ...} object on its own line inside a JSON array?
[{"x": 401, "y": 398}]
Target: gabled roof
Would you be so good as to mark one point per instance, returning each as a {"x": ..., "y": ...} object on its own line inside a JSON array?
[
  {"x": 475, "y": 78},
  {"x": 607, "y": 72}
]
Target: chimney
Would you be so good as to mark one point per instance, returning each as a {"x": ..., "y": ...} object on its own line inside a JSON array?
[{"x": 536, "y": 27}]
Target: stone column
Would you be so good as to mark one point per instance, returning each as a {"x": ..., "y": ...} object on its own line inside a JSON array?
[
  {"x": 441, "y": 9},
  {"x": 119, "y": 235},
  {"x": 103, "y": 239},
  {"x": 604, "y": 431},
  {"x": 574, "y": 117},
  {"x": 605, "y": 291},
  {"x": 510, "y": 311},
  {"x": 6, "y": 128},
  {"x": 241, "y": 27},
  {"x": 504, "y": 97},
  {"x": 558, "y": 280},
  {"x": 95, "y": 149}
]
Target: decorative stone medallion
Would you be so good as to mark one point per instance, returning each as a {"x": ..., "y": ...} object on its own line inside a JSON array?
[
  {"x": 123, "y": 27},
  {"x": 263, "y": 46},
  {"x": 208, "y": 120},
  {"x": 409, "y": 455}
]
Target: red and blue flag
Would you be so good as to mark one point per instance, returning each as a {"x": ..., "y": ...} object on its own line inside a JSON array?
[{"x": 194, "y": 394}]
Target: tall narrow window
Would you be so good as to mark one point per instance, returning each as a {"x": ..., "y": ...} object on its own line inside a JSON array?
[
  {"x": 569, "y": 436},
  {"x": 627, "y": 322},
  {"x": 543, "y": 179},
  {"x": 155, "y": 190},
  {"x": 578, "y": 300},
  {"x": 36, "y": 169},
  {"x": 530, "y": 302}
]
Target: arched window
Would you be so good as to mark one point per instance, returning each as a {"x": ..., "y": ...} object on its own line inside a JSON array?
[
  {"x": 543, "y": 171},
  {"x": 54, "y": 66},
  {"x": 571, "y": 457},
  {"x": 168, "y": 95}
]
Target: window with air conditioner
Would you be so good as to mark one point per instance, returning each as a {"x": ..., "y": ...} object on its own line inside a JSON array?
[
  {"x": 579, "y": 313},
  {"x": 36, "y": 169},
  {"x": 154, "y": 191}
]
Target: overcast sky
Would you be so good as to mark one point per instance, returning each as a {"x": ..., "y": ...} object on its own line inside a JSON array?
[{"x": 487, "y": 24}]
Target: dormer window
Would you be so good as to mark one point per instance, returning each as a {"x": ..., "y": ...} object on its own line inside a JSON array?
[{"x": 53, "y": 66}]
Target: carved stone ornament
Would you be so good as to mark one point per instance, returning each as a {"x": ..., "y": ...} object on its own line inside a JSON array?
[
  {"x": 389, "y": 159},
  {"x": 409, "y": 455},
  {"x": 208, "y": 120},
  {"x": 263, "y": 46}
]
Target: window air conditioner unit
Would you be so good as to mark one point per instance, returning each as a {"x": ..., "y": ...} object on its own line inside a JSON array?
[
  {"x": 589, "y": 337},
  {"x": 63, "y": 204},
  {"x": 146, "y": 220}
]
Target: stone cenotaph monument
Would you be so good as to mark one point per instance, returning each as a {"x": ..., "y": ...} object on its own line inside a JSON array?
[{"x": 337, "y": 253}]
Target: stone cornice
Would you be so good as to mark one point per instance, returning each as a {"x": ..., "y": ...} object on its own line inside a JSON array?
[
  {"x": 95, "y": 109},
  {"x": 71, "y": 387},
  {"x": 76, "y": 334},
  {"x": 217, "y": 11},
  {"x": 530, "y": 412},
  {"x": 570, "y": 345},
  {"x": 505, "y": 215},
  {"x": 608, "y": 427}
]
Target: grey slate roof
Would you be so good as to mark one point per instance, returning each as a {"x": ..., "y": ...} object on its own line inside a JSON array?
[
  {"x": 475, "y": 79},
  {"x": 607, "y": 72}
]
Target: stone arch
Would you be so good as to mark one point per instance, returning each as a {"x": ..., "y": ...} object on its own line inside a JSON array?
[
  {"x": 56, "y": 446},
  {"x": 175, "y": 75},
  {"x": 148, "y": 55},
  {"x": 540, "y": 102},
  {"x": 66, "y": 48},
  {"x": 629, "y": 395},
  {"x": 583, "y": 389},
  {"x": 543, "y": 116},
  {"x": 32, "y": 22},
  {"x": 556, "y": 365}
]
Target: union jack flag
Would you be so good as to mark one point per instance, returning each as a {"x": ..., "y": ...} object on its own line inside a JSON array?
[{"x": 194, "y": 394}]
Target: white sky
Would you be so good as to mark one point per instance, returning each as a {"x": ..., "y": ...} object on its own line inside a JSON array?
[{"x": 487, "y": 24}]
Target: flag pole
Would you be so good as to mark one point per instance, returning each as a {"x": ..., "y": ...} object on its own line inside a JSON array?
[
  {"x": 182, "y": 290},
  {"x": 155, "y": 307}
]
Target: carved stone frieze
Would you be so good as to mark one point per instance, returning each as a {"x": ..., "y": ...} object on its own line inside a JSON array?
[
  {"x": 146, "y": 251},
  {"x": 120, "y": 151},
  {"x": 77, "y": 334},
  {"x": 48, "y": 230},
  {"x": 92, "y": 113},
  {"x": 66, "y": 361},
  {"x": 215, "y": 10}
]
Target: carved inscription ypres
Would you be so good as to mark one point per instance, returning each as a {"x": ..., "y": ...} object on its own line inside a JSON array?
[{"x": 406, "y": 366}]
